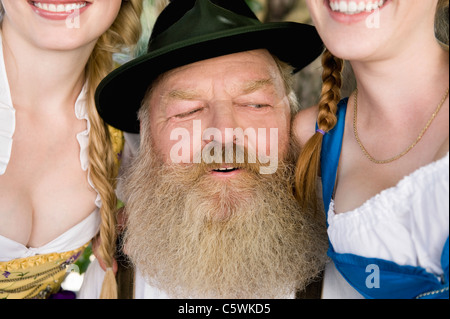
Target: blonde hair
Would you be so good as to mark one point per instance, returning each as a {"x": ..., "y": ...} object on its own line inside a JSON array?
[
  {"x": 124, "y": 32},
  {"x": 309, "y": 160},
  {"x": 308, "y": 163}
]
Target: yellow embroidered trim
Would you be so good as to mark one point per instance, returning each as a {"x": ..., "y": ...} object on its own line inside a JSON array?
[
  {"x": 37, "y": 276},
  {"x": 430, "y": 293},
  {"x": 118, "y": 142}
]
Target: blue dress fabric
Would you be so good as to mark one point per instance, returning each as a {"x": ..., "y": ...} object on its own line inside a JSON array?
[{"x": 375, "y": 278}]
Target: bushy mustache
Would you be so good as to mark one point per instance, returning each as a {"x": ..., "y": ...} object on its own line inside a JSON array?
[{"x": 236, "y": 156}]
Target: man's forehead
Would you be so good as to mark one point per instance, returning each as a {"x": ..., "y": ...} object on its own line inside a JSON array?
[
  {"x": 255, "y": 59},
  {"x": 245, "y": 72}
]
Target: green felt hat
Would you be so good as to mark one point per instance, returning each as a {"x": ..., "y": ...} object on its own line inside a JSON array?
[{"x": 188, "y": 31}]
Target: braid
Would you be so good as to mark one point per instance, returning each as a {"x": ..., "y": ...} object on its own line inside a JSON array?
[
  {"x": 331, "y": 91},
  {"x": 103, "y": 169},
  {"x": 308, "y": 164}
]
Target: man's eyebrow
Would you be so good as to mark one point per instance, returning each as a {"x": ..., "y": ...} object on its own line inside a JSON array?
[
  {"x": 248, "y": 87},
  {"x": 255, "y": 85},
  {"x": 183, "y": 95}
]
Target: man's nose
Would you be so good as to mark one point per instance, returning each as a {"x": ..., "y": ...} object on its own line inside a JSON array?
[{"x": 222, "y": 119}]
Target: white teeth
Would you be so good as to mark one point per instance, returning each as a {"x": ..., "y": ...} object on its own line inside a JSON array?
[
  {"x": 354, "y": 7},
  {"x": 59, "y": 7},
  {"x": 361, "y": 7}
]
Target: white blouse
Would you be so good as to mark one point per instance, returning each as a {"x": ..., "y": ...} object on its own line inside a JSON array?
[
  {"x": 407, "y": 224},
  {"x": 7, "y": 116},
  {"x": 93, "y": 280}
]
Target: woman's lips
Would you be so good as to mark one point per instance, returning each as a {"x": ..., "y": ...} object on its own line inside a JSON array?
[
  {"x": 58, "y": 10},
  {"x": 351, "y": 11}
]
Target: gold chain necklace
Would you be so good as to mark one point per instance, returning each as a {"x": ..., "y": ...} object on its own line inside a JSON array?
[{"x": 370, "y": 157}]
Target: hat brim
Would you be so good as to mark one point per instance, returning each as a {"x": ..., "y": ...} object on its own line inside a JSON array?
[{"x": 119, "y": 96}]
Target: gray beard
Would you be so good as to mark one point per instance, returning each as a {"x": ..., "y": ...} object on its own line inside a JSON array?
[{"x": 192, "y": 236}]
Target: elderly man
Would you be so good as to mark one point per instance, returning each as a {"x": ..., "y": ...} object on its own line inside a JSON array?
[{"x": 209, "y": 202}]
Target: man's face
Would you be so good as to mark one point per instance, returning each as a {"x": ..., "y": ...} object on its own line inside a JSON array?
[
  {"x": 199, "y": 106},
  {"x": 201, "y": 229}
]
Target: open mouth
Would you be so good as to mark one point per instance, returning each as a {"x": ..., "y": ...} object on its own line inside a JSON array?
[
  {"x": 59, "y": 7},
  {"x": 356, "y": 7},
  {"x": 225, "y": 169}
]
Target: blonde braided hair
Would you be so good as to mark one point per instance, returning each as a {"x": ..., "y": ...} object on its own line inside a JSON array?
[
  {"x": 125, "y": 31},
  {"x": 308, "y": 162}
]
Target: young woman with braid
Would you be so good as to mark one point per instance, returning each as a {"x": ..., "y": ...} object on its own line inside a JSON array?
[
  {"x": 58, "y": 159},
  {"x": 382, "y": 153}
]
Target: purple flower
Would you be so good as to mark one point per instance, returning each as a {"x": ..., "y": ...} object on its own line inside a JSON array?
[
  {"x": 73, "y": 258},
  {"x": 6, "y": 274},
  {"x": 63, "y": 294}
]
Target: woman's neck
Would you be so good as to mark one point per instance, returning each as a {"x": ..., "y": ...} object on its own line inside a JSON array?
[
  {"x": 40, "y": 79},
  {"x": 412, "y": 80}
]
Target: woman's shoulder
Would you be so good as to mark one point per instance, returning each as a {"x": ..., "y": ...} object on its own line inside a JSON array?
[{"x": 304, "y": 124}]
